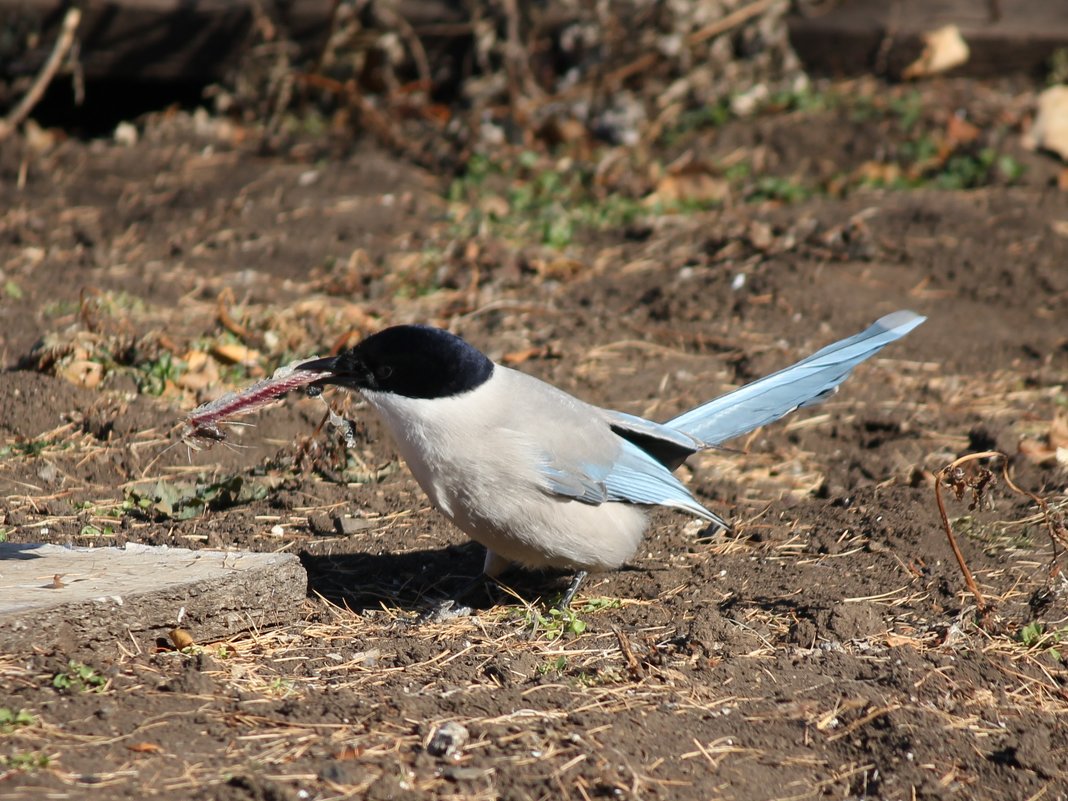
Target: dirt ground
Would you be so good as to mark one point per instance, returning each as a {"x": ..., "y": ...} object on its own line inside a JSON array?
[{"x": 827, "y": 647}]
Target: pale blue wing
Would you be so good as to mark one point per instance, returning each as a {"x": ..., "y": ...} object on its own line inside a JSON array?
[
  {"x": 574, "y": 484},
  {"x": 802, "y": 384},
  {"x": 633, "y": 477},
  {"x": 637, "y": 477},
  {"x": 667, "y": 445}
]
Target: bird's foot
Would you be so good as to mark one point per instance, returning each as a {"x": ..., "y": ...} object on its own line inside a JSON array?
[
  {"x": 444, "y": 611},
  {"x": 472, "y": 595},
  {"x": 565, "y": 600}
]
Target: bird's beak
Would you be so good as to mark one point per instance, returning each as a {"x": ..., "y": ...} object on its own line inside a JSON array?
[
  {"x": 328, "y": 364},
  {"x": 343, "y": 370}
]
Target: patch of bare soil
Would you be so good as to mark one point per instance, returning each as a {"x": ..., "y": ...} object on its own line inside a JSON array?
[{"x": 827, "y": 647}]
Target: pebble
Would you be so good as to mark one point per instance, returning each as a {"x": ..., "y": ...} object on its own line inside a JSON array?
[
  {"x": 347, "y": 526},
  {"x": 448, "y": 740}
]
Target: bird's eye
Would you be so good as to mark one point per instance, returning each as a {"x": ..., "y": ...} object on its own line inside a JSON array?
[{"x": 384, "y": 372}]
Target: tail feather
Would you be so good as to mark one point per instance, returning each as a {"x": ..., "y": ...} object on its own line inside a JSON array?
[{"x": 808, "y": 382}]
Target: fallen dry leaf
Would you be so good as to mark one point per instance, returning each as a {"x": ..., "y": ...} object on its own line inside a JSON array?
[
  {"x": 201, "y": 371},
  {"x": 878, "y": 172},
  {"x": 961, "y": 132},
  {"x": 526, "y": 354},
  {"x": 943, "y": 50},
  {"x": 180, "y": 638},
  {"x": 897, "y": 640},
  {"x": 694, "y": 184},
  {"x": 1038, "y": 452},
  {"x": 494, "y": 206},
  {"x": 1049, "y": 131},
  {"x": 1054, "y": 448},
  {"x": 1058, "y": 432},
  {"x": 559, "y": 130},
  {"x": 235, "y": 354},
  {"x": 196, "y": 360},
  {"x": 558, "y": 269},
  {"x": 82, "y": 372},
  {"x": 145, "y": 748}
]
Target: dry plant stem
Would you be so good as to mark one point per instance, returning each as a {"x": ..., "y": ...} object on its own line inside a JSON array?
[
  {"x": 226, "y": 320},
  {"x": 377, "y": 122},
  {"x": 634, "y": 667},
  {"x": 732, "y": 20},
  {"x": 1055, "y": 533},
  {"x": 648, "y": 60},
  {"x": 517, "y": 58},
  {"x": 415, "y": 45},
  {"x": 63, "y": 45},
  {"x": 969, "y": 579}
]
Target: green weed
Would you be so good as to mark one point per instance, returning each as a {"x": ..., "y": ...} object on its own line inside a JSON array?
[
  {"x": 529, "y": 197},
  {"x": 60, "y": 308},
  {"x": 153, "y": 376},
  {"x": 79, "y": 677},
  {"x": 773, "y": 188},
  {"x": 93, "y": 532},
  {"x": 599, "y": 678},
  {"x": 1058, "y": 67},
  {"x": 25, "y": 762},
  {"x": 557, "y": 665},
  {"x": 280, "y": 688},
  {"x": 31, "y": 448},
  {"x": 713, "y": 115},
  {"x": 555, "y": 623},
  {"x": 1036, "y": 637},
  {"x": 598, "y": 604},
  {"x": 11, "y": 719}
]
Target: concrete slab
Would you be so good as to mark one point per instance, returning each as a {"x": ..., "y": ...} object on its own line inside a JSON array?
[{"x": 52, "y": 597}]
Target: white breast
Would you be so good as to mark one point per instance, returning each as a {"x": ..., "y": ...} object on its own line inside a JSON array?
[{"x": 476, "y": 456}]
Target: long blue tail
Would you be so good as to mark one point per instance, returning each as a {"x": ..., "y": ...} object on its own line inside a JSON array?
[{"x": 808, "y": 382}]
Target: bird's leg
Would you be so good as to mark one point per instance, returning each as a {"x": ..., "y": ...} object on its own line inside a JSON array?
[
  {"x": 569, "y": 596},
  {"x": 494, "y": 565}
]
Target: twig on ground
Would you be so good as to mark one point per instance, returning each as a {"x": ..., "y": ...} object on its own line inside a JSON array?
[
  {"x": 983, "y": 607},
  {"x": 395, "y": 21},
  {"x": 1055, "y": 528},
  {"x": 954, "y": 476},
  {"x": 710, "y": 31},
  {"x": 732, "y": 20},
  {"x": 63, "y": 45},
  {"x": 634, "y": 667},
  {"x": 226, "y": 320}
]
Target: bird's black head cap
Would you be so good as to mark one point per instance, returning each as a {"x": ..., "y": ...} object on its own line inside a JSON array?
[{"x": 416, "y": 361}]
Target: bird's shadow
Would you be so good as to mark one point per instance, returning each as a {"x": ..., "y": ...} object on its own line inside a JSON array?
[{"x": 417, "y": 581}]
